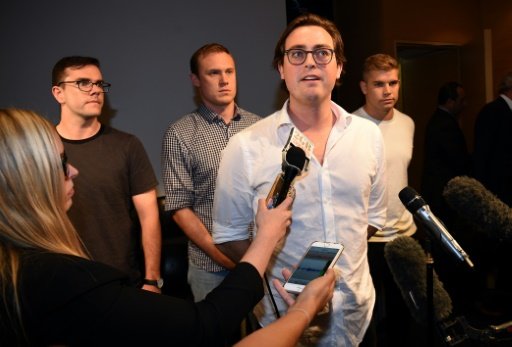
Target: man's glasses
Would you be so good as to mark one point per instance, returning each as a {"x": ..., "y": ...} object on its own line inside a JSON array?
[
  {"x": 65, "y": 165},
  {"x": 86, "y": 85},
  {"x": 321, "y": 56}
]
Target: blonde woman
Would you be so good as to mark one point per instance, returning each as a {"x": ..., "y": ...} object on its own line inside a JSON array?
[{"x": 53, "y": 294}]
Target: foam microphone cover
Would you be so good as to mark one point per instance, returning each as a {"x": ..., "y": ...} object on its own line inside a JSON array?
[
  {"x": 479, "y": 207},
  {"x": 296, "y": 157},
  {"x": 407, "y": 261},
  {"x": 293, "y": 163}
]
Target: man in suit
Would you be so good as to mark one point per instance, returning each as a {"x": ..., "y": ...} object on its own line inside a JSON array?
[
  {"x": 446, "y": 156},
  {"x": 492, "y": 165},
  {"x": 446, "y": 153},
  {"x": 492, "y": 156}
]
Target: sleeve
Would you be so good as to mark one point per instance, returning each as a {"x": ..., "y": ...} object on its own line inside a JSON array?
[
  {"x": 102, "y": 310},
  {"x": 155, "y": 318},
  {"x": 233, "y": 198},
  {"x": 141, "y": 174},
  {"x": 176, "y": 172},
  {"x": 378, "y": 195}
]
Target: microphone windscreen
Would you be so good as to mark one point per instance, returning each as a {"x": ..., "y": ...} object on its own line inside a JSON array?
[
  {"x": 411, "y": 199},
  {"x": 479, "y": 207},
  {"x": 295, "y": 156},
  {"x": 407, "y": 263}
]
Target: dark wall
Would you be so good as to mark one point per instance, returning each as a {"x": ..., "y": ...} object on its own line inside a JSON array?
[
  {"x": 378, "y": 26},
  {"x": 144, "y": 48},
  {"x": 498, "y": 18}
]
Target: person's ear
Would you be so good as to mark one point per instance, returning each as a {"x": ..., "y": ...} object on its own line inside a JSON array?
[
  {"x": 281, "y": 69},
  {"x": 340, "y": 70},
  {"x": 58, "y": 94},
  {"x": 364, "y": 87},
  {"x": 195, "y": 80}
]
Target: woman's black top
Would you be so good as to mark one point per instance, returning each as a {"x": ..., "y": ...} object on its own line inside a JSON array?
[{"x": 73, "y": 301}]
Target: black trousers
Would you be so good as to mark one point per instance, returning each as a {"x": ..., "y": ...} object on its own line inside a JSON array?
[{"x": 392, "y": 324}]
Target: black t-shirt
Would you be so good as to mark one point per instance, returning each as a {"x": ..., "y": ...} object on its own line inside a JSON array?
[{"x": 113, "y": 166}]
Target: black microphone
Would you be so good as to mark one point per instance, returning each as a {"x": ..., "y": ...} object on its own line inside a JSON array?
[
  {"x": 407, "y": 263},
  {"x": 421, "y": 211},
  {"x": 478, "y": 206},
  {"x": 293, "y": 163}
]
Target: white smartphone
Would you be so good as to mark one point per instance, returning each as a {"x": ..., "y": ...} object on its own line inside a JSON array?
[{"x": 319, "y": 257}]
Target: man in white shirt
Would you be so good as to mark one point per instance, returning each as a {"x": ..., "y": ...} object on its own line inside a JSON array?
[
  {"x": 340, "y": 198},
  {"x": 380, "y": 85}
]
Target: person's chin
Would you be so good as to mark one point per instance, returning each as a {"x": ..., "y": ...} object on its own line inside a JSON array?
[
  {"x": 225, "y": 100},
  {"x": 94, "y": 110},
  {"x": 68, "y": 204}
]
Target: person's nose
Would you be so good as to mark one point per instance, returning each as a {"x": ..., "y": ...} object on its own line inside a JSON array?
[
  {"x": 96, "y": 89},
  {"x": 310, "y": 60},
  {"x": 73, "y": 171}
]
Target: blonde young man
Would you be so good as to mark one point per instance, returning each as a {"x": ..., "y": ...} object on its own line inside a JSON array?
[
  {"x": 191, "y": 151},
  {"x": 116, "y": 178},
  {"x": 380, "y": 85},
  {"x": 341, "y": 198}
]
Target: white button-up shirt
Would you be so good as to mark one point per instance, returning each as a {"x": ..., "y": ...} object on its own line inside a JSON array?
[{"x": 334, "y": 202}]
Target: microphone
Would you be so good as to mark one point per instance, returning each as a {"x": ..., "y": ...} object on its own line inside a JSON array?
[
  {"x": 293, "y": 161},
  {"x": 478, "y": 206},
  {"x": 421, "y": 211},
  {"x": 407, "y": 263}
]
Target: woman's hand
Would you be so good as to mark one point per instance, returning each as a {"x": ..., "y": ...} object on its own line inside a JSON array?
[
  {"x": 272, "y": 225},
  {"x": 315, "y": 295},
  {"x": 275, "y": 221}
]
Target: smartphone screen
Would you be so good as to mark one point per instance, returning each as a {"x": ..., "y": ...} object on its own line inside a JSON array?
[{"x": 319, "y": 257}]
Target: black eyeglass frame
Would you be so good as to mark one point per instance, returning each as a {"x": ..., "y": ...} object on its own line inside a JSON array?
[
  {"x": 312, "y": 53},
  {"x": 104, "y": 86}
]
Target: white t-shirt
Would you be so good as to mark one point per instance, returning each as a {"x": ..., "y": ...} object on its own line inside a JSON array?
[
  {"x": 335, "y": 201},
  {"x": 398, "y": 134}
]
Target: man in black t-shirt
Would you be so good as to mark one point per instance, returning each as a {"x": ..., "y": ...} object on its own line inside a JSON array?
[{"x": 116, "y": 182}]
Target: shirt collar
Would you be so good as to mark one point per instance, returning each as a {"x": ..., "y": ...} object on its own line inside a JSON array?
[
  {"x": 507, "y": 100},
  {"x": 212, "y": 116},
  {"x": 284, "y": 123},
  {"x": 444, "y": 109}
]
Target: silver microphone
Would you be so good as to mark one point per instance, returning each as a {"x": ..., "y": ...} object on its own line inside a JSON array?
[{"x": 419, "y": 208}]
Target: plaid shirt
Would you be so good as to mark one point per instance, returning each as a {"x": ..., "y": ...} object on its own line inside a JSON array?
[{"x": 191, "y": 151}]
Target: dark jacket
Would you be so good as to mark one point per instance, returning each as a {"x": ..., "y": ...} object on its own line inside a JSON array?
[
  {"x": 493, "y": 149},
  {"x": 446, "y": 156}
]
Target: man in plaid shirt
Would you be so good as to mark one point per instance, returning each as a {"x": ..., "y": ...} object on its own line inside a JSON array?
[{"x": 191, "y": 152}]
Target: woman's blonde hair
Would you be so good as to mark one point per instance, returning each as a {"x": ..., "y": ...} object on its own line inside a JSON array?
[{"x": 32, "y": 198}]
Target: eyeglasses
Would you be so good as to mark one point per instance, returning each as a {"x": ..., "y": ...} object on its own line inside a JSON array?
[
  {"x": 65, "y": 166},
  {"x": 321, "y": 56},
  {"x": 86, "y": 85}
]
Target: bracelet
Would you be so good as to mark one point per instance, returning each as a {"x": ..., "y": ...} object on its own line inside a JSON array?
[{"x": 298, "y": 309}]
